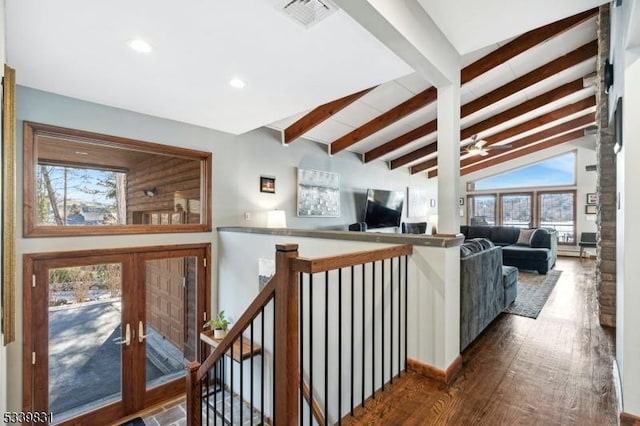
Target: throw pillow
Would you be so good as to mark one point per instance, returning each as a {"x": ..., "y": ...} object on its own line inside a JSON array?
[{"x": 524, "y": 239}]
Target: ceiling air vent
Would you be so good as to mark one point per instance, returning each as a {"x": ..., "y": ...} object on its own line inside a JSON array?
[{"x": 308, "y": 12}]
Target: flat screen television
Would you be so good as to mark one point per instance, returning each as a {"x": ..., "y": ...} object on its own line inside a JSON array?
[{"x": 383, "y": 208}]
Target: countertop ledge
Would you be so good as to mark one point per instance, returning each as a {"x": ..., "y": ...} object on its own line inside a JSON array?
[{"x": 438, "y": 240}]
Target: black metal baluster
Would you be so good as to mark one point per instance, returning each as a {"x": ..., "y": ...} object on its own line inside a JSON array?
[
  {"x": 301, "y": 328},
  {"x": 216, "y": 374},
  {"x": 399, "y": 313},
  {"x": 262, "y": 367},
  {"x": 273, "y": 363},
  {"x": 406, "y": 280},
  {"x": 373, "y": 330},
  {"x": 326, "y": 346},
  {"x": 391, "y": 319},
  {"x": 339, "y": 347},
  {"x": 363, "y": 328},
  {"x": 231, "y": 387},
  {"x": 310, "y": 349},
  {"x": 251, "y": 374},
  {"x": 352, "y": 335},
  {"x": 241, "y": 379},
  {"x": 224, "y": 390},
  {"x": 382, "y": 324}
]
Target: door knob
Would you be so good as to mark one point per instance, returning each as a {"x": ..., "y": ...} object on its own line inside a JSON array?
[
  {"x": 141, "y": 335},
  {"x": 127, "y": 339}
]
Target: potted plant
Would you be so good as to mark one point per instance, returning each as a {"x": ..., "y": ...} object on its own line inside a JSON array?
[{"x": 219, "y": 324}]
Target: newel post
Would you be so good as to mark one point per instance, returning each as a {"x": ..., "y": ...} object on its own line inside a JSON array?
[
  {"x": 287, "y": 369},
  {"x": 193, "y": 408}
]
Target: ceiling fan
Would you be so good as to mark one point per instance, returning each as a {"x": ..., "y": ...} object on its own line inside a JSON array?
[{"x": 477, "y": 146}]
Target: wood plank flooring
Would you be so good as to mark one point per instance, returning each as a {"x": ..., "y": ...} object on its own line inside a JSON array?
[{"x": 555, "y": 370}]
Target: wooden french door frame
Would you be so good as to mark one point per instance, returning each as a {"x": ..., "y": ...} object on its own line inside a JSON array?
[{"x": 135, "y": 397}]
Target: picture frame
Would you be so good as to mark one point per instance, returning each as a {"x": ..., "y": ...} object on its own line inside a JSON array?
[
  {"x": 461, "y": 201},
  {"x": 417, "y": 202},
  {"x": 268, "y": 184},
  {"x": 590, "y": 209},
  {"x": 318, "y": 193},
  {"x": 592, "y": 198}
]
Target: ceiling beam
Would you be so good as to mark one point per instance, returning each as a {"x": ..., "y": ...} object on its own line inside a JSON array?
[
  {"x": 401, "y": 141},
  {"x": 576, "y": 57},
  {"x": 482, "y": 65},
  {"x": 526, "y": 126},
  {"x": 522, "y": 43},
  {"x": 559, "y": 140},
  {"x": 409, "y": 106},
  {"x": 320, "y": 114},
  {"x": 550, "y": 69},
  {"x": 580, "y": 122},
  {"x": 523, "y": 108}
]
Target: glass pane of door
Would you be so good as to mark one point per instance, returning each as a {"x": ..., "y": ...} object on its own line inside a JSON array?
[
  {"x": 557, "y": 211},
  {"x": 516, "y": 210},
  {"x": 482, "y": 210},
  {"x": 170, "y": 312},
  {"x": 85, "y": 338}
]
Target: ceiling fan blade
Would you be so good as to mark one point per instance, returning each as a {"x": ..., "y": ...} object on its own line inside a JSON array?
[
  {"x": 499, "y": 147},
  {"x": 483, "y": 152}
]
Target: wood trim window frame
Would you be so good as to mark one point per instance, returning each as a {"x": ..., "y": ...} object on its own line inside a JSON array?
[{"x": 31, "y": 131}]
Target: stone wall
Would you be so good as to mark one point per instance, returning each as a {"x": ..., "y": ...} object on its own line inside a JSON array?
[{"x": 606, "y": 185}]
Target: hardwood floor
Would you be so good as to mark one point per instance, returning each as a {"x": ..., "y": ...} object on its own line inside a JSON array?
[{"x": 555, "y": 370}]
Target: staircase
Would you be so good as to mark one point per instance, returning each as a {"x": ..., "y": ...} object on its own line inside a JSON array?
[{"x": 332, "y": 336}]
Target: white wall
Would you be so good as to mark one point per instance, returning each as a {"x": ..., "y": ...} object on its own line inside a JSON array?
[
  {"x": 433, "y": 300},
  {"x": 586, "y": 181},
  {"x": 3, "y": 351},
  {"x": 626, "y": 34},
  {"x": 238, "y": 161}
]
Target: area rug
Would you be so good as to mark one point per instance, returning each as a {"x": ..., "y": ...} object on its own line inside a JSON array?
[{"x": 533, "y": 292}]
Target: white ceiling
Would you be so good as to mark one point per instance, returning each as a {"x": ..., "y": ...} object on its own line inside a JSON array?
[
  {"x": 474, "y": 24},
  {"x": 78, "y": 48}
]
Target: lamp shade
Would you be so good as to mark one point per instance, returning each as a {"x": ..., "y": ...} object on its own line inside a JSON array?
[{"x": 276, "y": 219}]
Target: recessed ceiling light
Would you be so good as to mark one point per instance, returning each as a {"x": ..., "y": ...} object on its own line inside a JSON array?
[
  {"x": 139, "y": 45},
  {"x": 237, "y": 83}
]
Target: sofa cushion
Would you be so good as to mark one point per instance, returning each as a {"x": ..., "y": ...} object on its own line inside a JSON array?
[
  {"x": 540, "y": 238},
  {"x": 479, "y": 232},
  {"x": 525, "y": 252},
  {"x": 470, "y": 247},
  {"x": 502, "y": 235},
  {"x": 525, "y": 236},
  {"x": 486, "y": 244}
]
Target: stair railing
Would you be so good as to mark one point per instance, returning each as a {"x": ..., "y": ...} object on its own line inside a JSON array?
[{"x": 360, "y": 314}]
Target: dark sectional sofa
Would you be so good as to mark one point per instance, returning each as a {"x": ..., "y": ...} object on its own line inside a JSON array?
[
  {"x": 539, "y": 255},
  {"x": 486, "y": 287}
]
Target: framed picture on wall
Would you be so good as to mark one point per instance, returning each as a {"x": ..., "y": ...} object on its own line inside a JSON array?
[
  {"x": 268, "y": 184},
  {"x": 592, "y": 198},
  {"x": 591, "y": 209}
]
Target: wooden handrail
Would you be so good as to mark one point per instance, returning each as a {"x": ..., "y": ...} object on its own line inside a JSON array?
[
  {"x": 315, "y": 408},
  {"x": 322, "y": 264},
  {"x": 241, "y": 324}
]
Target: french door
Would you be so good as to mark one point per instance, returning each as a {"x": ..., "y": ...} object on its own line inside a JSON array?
[{"x": 107, "y": 333}]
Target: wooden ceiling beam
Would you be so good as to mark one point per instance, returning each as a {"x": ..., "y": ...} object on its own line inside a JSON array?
[
  {"x": 522, "y": 43},
  {"x": 409, "y": 106},
  {"x": 550, "y": 69},
  {"x": 414, "y": 155},
  {"x": 523, "y": 108},
  {"x": 320, "y": 114},
  {"x": 539, "y": 121},
  {"x": 559, "y": 140},
  {"x": 580, "y": 122},
  {"x": 560, "y": 64},
  {"x": 425, "y": 166},
  {"x": 401, "y": 141}
]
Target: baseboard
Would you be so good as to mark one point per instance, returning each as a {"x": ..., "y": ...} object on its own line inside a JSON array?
[
  {"x": 627, "y": 419},
  {"x": 443, "y": 376}
]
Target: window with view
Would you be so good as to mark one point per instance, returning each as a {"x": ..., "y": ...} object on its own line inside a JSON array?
[
  {"x": 516, "y": 210},
  {"x": 557, "y": 210},
  {"x": 482, "y": 209}
]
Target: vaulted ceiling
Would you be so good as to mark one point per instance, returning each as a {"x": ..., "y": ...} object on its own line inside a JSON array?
[
  {"x": 524, "y": 65},
  {"x": 530, "y": 92}
]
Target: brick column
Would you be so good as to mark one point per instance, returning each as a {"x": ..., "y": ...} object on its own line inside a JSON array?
[{"x": 606, "y": 185}]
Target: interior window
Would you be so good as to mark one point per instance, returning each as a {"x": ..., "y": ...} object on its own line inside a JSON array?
[
  {"x": 482, "y": 209},
  {"x": 79, "y": 183}
]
